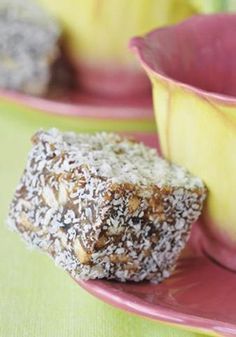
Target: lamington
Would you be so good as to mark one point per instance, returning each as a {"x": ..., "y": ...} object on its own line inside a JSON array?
[
  {"x": 105, "y": 206},
  {"x": 28, "y": 46}
]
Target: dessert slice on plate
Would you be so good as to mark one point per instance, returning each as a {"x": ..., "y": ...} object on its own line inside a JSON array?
[
  {"x": 28, "y": 46},
  {"x": 105, "y": 206}
]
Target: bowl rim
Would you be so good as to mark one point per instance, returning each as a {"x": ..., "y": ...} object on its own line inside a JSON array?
[
  {"x": 137, "y": 45},
  {"x": 83, "y": 110}
]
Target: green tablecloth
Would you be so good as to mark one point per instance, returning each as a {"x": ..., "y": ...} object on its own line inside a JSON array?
[{"x": 38, "y": 299}]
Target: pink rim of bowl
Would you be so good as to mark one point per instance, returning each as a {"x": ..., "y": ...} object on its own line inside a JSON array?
[
  {"x": 140, "y": 46},
  {"x": 112, "y": 81},
  {"x": 199, "y": 40}
]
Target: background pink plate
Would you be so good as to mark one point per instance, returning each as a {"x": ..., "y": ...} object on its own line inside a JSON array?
[
  {"x": 84, "y": 104},
  {"x": 201, "y": 295}
]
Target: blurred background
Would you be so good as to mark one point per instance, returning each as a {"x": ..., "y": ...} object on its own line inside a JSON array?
[{"x": 67, "y": 64}]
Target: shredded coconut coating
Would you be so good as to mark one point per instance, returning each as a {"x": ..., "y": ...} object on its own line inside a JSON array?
[
  {"x": 104, "y": 206},
  {"x": 28, "y": 46}
]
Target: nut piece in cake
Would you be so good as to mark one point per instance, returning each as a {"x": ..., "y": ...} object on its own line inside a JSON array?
[{"x": 104, "y": 206}]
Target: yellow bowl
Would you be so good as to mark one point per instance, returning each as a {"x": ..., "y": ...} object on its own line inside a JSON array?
[
  {"x": 192, "y": 68},
  {"x": 97, "y": 34}
]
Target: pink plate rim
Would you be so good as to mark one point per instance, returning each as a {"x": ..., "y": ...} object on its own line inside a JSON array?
[
  {"x": 85, "y": 110},
  {"x": 105, "y": 292}
]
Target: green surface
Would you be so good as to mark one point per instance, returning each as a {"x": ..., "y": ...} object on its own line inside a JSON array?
[{"x": 38, "y": 299}]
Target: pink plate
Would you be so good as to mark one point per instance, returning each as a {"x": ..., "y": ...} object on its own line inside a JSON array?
[
  {"x": 84, "y": 104},
  {"x": 201, "y": 295}
]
